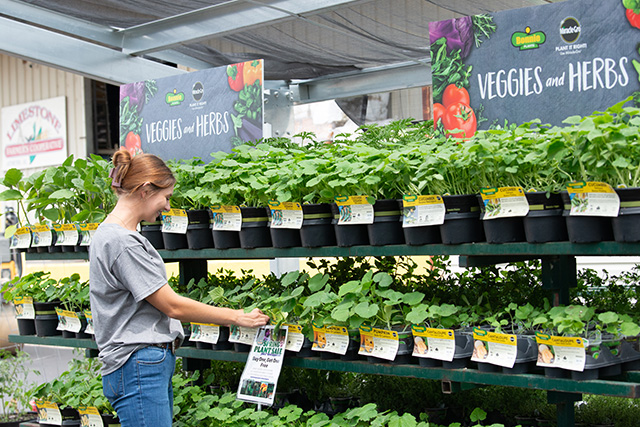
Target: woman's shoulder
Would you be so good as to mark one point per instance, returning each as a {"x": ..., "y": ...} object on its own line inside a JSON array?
[{"x": 114, "y": 238}]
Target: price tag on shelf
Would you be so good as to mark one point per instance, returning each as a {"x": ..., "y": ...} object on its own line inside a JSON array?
[
  {"x": 24, "y": 308},
  {"x": 175, "y": 221},
  {"x": 21, "y": 239},
  {"x": 285, "y": 215},
  {"x": 433, "y": 343},
  {"x": 68, "y": 321},
  {"x": 48, "y": 413},
  {"x": 593, "y": 199},
  {"x": 66, "y": 234},
  {"x": 41, "y": 236},
  {"x": 205, "y": 332},
  {"x": 380, "y": 343},
  {"x": 89, "y": 317},
  {"x": 87, "y": 231},
  {"x": 494, "y": 348},
  {"x": 561, "y": 352},
  {"x": 295, "y": 338},
  {"x": 420, "y": 211},
  {"x": 504, "y": 202},
  {"x": 354, "y": 210},
  {"x": 226, "y": 218},
  {"x": 332, "y": 339}
]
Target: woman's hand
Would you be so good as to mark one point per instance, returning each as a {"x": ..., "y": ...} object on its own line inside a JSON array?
[{"x": 253, "y": 319}]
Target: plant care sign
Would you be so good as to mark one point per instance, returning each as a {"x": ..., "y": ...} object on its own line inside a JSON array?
[
  {"x": 260, "y": 375},
  {"x": 193, "y": 114},
  {"x": 34, "y": 134},
  {"x": 545, "y": 62}
]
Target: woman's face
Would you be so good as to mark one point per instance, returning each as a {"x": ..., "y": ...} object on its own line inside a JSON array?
[{"x": 156, "y": 202}]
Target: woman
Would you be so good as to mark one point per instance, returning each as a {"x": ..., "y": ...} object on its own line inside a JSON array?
[{"x": 134, "y": 309}]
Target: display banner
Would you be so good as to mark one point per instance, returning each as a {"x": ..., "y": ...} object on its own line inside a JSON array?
[
  {"x": 545, "y": 62},
  {"x": 34, "y": 134},
  {"x": 193, "y": 114},
  {"x": 264, "y": 363}
]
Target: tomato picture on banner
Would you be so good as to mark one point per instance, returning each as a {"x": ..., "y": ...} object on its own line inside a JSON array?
[
  {"x": 545, "y": 63},
  {"x": 193, "y": 114}
]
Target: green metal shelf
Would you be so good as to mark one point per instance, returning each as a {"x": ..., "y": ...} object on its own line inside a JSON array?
[
  {"x": 520, "y": 250},
  {"x": 607, "y": 387}
]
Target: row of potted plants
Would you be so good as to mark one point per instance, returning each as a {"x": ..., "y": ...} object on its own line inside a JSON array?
[{"x": 383, "y": 163}]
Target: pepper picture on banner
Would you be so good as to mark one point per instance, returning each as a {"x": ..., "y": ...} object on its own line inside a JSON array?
[
  {"x": 544, "y": 62},
  {"x": 193, "y": 114}
]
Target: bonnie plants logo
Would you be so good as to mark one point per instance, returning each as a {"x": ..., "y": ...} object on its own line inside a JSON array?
[
  {"x": 174, "y": 98},
  {"x": 527, "y": 40},
  {"x": 197, "y": 91},
  {"x": 570, "y": 30}
]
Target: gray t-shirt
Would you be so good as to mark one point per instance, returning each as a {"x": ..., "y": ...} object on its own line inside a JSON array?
[{"x": 125, "y": 269}]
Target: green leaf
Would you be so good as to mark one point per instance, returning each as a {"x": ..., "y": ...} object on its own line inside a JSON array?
[
  {"x": 383, "y": 279},
  {"x": 10, "y": 231},
  {"x": 289, "y": 278},
  {"x": 12, "y": 177},
  {"x": 478, "y": 415},
  {"x": 413, "y": 298},
  {"x": 366, "y": 310},
  {"x": 318, "y": 282},
  {"x": 352, "y": 287},
  {"x": 7, "y": 195},
  {"x": 62, "y": 194}
]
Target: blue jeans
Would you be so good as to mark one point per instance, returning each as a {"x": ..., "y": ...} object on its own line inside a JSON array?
[{"x": 140, "y": 391}]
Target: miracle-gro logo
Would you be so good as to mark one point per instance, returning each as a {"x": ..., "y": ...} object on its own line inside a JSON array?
[
  {"x": 174, "y": 98},
  {"x": 527, "y": 40}
]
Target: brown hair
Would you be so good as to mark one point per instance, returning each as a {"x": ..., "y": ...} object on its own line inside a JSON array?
[{"x": 131, "y": 173}]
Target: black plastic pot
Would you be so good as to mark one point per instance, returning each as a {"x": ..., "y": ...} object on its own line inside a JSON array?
[
  {"x": 199, "y": 229},
  {"x": 46, "y": 320},
  {"x": 405, "y": 348},
  {"x": 387, "y": 226},
  {"x": 626, "y": 226},
  {"x": 152, "y": 231},
  {"x": 255, "y": 228},
  {"x": 317, "y": 229},
  {"x": 544, "y": 222},
  {"x": 82, "y": 334},
  {"x": 284, "y": 237},
  {"x": 223, "y": 239},
  {"x": 416, "y": 236},
  {"x": 53, "y": 248},
  {"x": 109, "y": 420},
  {"x": 73, "y": 247},
  {"x": 585, "y": 229},
  {"x": 26, "y": 326},
  {"x": 348, "y": 235},
  {"x": 462, "y": 222},
  {"x": 186, "y": 330},
  {"x": 223, "y": 339},
  {"x": 502, "y": 230}
]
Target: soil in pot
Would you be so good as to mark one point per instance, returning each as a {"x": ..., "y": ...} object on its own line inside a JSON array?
[
  {"x": 585, "y": 229},
  {"x": 348, "y": 235},
  {"x": 255, "y": 231},
  {"x": 317, "y": 229},
  {"x": 199, "y": 234},
  {"x": 152, "y": 231},
  {"x": 626, "y": 226},
  {"x": 462, "y": 222},
  {"x": 544, "y": 222},
  {"x": 46, "y": 320},
  {"x": 387, "y": 226}
]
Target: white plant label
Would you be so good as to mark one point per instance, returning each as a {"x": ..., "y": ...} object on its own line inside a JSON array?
[
  {"x": 242, "y": 335},
  {"x": 494, "y": 348},
  {"x": 380, "y": 343},
  {"x": 295, "y": 338},
  {"x": 24, "y": 308},
  {"x": 593, "y": 199},
  {"x": 67, "y": 234},
  {"x": 434, "y": 343},
  {"x": 504, "y": 202},
  {"x": 561, "y": 352},
  {"x": 226, "y": 218},
  {"x": 420, "y": 211},
  {"x": 205, "y": 332},
  {"x": 87, "y": 231},
  {"x": 68, "y": 321},
  {"x": 332, "y": 339},
  {"x": 175, "y": 221},
  {"x": 89, "y": 328},
  {"x": 90, "y": 416},
  {"x": 354, "y": 210},
  {"x": 286, "y": 215},
  {"x": 41, "y": 236},
  {"x": 48, "y": 413},
  {"x": 21, "y": 239}
]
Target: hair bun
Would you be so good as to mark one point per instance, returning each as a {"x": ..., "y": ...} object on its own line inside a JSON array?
[{"x": 121, "y": 157}]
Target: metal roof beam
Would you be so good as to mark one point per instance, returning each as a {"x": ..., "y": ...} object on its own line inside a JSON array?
[
  {"x": 405, "y": 75},
  {"x": 77, "y": 56},
  {"x": 218, "y": 20}
]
